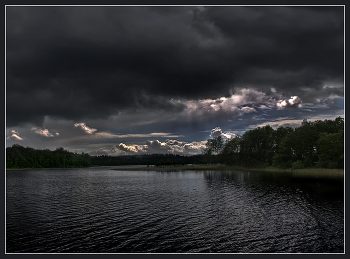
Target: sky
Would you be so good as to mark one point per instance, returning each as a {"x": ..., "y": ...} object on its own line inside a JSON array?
[{"x": 123, "y": 80}]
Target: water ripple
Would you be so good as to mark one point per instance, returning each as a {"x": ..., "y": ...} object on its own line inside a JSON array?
[{"x": 106, "y": 211}]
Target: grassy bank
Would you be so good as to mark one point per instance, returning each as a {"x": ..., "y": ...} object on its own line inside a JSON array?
[{"x": 319, "y": 173}]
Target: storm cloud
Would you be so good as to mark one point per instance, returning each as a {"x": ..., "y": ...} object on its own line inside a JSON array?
[
  {"x": 180, "y": 69},
  {"x": 78, "y": 62}
]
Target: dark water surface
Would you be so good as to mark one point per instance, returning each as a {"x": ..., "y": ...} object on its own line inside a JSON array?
[{"x": 106, "y": 211}]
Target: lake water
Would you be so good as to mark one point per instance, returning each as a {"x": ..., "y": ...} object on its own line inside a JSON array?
[{"x": 98, "y": 210}]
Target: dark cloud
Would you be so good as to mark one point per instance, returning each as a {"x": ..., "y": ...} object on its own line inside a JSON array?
[{"x": 82, "y": 63}]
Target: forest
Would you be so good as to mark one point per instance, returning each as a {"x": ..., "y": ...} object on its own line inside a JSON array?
[
  {"x": 18, "y": 156},
  {"x": 317, "y": 144},
  {"x": 26, "y": 157}
]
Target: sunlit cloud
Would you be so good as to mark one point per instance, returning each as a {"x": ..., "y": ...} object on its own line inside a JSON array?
[
  {"x": 292, "y": 102},
  {"x": 85, "y": 128},
  {"x": 15, "y": 135},
  {"x": 238, "y": 103},
  {"x": 279, "y": 122},
  {"x": 155, "y": 146},
  {"x": 264, "y": 107},
  {"x": 247, "y": 109},
  {"x": 216, "y": 132},
  {"x": 169, "y": 146},
  {"x": 44, "y": 132},
  {"x": 131, "y": 148},
  {"x": 282, "y": 104}
]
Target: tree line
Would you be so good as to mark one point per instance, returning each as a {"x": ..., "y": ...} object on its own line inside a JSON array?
[
  {"x": 312, "y": 144},
  {"x": 18, "y": 157}
]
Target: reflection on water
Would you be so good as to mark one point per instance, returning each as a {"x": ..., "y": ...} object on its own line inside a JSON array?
[{"x": 107, "y": 211}]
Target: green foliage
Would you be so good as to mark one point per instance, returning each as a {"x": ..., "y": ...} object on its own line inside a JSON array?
[
  {"x": 279, "y": 134},
  {"x": 297, "y": 165},
  {"x": 212, "y": 148},
  {"x": 21, "y": 157},
  {"x": 230, "y": 151},
  {"x": 285, "y": 155},
  {"x": 257, "y": 146},
  {"x": 330, "y": 149},
  {"x": 214, "y": 145},
  {"x": 318, "y": 143}
]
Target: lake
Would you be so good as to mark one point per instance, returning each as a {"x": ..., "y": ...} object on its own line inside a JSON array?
[{"x": 99, "y": 210}]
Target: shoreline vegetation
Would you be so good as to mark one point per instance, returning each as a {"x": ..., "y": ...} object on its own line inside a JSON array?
[{"x": 318, "y": 144}]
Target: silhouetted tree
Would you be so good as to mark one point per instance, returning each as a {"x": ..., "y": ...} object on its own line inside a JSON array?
[
  {"x": 318, "y": 143},
  {"x": 230, "y": 152}
]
